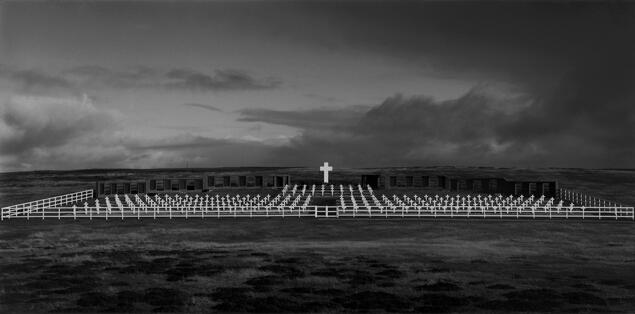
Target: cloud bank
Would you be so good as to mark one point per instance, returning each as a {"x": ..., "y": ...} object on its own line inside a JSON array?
[
  {"x": 587, "y": 121},
  {"x": 73, "y": 133},
  {"x": 202, "y": 106},
  {"x": 574, "y": 125},
  {"x": 43, "y": 131},
  {"x": 570, "y": 68},
  {"x": 80, "y": 78}
]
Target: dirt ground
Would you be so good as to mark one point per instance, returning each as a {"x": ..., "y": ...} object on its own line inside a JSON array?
[{"x": 309, "y": 265}]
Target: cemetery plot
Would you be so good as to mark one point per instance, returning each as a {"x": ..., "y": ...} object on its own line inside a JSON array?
[
  {"x": 358, "y": 202},
  {"x": 324, "y": 201}
]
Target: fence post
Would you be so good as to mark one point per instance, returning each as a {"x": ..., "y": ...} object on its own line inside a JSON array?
[
  {"x": 615, "y": 208},
  {"x": 315, "y": 211},
  {"x": 582, "y": 212}
]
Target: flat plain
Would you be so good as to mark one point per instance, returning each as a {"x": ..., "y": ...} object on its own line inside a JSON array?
[{"x": 308, "y": 265}]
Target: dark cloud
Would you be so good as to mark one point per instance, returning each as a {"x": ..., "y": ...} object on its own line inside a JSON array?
[
  {"x": 465, "y": 119},
  {"x": 124, "y": 152},
  {"x": 590, "y": 114},
  {"x": 221, "y": 80},
  {"x": 202, "y": 106},
  {"x": 474, "y": 129},
  {"x": 401, "y": 130},
  {"x": 30, "y": 124},
  {"x": 70, "y": 133},
  {"x": 572, "y": 62},
  {"x": 178, "y": 78},
  {"x": 34, "y": 81},
  {"x": 321, "y": 98},
  {"x": 199, "y": 151},
  {"x": 595, "y": 100},
  {"x": 98, "y": 77},
  {"x": 307, "y": 119}
]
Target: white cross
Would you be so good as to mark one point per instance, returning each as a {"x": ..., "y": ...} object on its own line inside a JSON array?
[{"x": 326, "y": 168}]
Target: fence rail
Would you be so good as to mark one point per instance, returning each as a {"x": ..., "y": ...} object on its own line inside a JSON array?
[
  {"x": 55, "y": 201},
  {"x": 283, "y": 205},
  {"x": 510, "y": 212}
]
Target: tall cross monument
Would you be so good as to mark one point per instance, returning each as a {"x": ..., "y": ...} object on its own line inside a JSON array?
[{"x": 326, "y": 168}]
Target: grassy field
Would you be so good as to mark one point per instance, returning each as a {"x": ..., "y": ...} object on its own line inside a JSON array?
[
  {"x": 293, "y": 265},
  {"x": 309, "y": 265}
]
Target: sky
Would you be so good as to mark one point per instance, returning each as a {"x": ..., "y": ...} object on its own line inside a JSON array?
[{"x": 152, "y": 84}]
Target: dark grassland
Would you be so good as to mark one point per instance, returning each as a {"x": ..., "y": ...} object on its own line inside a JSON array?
[{"x": 309, "y": 265}]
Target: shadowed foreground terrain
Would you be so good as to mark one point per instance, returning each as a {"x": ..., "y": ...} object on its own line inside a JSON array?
[{"x": 293, "y": 265}]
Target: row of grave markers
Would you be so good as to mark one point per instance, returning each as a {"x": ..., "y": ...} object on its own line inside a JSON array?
[
  {"x": 295, "y": 201},
  {"x": 584, "y": 199}
]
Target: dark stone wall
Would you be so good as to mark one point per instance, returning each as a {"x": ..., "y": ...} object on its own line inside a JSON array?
[{"x": 201, "y": 183}]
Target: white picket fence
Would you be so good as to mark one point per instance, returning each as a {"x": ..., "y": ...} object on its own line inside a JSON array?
[
  {"x": 45, "y": 204},
  {"x": 512, "y": 212},
  {"x": 354, "y": 203},
  {"x": 500, "y": 212}
]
